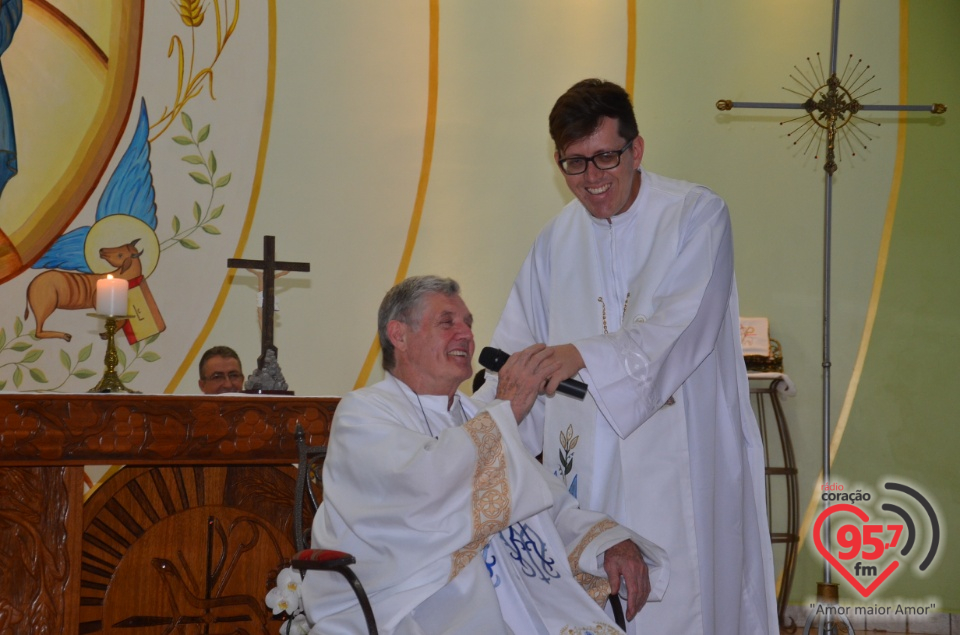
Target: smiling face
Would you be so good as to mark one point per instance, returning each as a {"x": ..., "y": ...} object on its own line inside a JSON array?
[
  {"x": 434, "y": 353},
  {"x": 220, "y": 375},
  {"x": 605, "y": 193}
]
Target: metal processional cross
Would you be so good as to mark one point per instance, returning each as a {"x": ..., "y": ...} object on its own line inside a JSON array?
[
  {"x": 831, "y": 108},
  {"x": 270, "y": 267}
]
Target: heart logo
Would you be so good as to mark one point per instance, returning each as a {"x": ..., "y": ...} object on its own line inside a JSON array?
[{"x": 839, "y": 566}]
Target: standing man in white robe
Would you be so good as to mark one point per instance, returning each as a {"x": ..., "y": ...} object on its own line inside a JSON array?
[
  {"x": 632, "y": 287},
  {"x": 455, "y": 527}
]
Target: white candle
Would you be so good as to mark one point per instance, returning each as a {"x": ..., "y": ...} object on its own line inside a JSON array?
[{"x": 111, "y": 296}]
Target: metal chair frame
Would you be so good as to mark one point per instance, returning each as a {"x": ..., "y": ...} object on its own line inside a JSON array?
[{"x": 310, "y": 459}]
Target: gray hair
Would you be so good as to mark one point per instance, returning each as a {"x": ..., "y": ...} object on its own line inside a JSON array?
[{"x": 403, "y": 303}]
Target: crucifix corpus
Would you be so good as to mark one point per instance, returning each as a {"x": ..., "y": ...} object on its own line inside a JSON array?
[{"x": 267, "y": 377}]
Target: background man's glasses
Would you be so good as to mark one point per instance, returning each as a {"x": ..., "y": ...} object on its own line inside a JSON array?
[
  {"x": 234, "y": 376},
  {"x": 602, "y": 161}
]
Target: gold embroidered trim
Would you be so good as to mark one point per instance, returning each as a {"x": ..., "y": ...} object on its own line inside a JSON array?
[
  {"x": 596, "y": 629},
  {"x": 596, "y": 587},
  {"x": 491, "y": 489}
]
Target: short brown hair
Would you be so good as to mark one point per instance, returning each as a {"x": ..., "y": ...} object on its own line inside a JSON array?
[{"x": 579, "y": 111}]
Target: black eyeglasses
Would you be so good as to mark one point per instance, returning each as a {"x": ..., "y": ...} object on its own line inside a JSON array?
[
  {"x": 232, "y": 376},
  {"x": 603, "y": 161}
]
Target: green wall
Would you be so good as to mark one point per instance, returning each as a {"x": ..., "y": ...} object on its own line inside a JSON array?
[{"x": 903, "y": 423}]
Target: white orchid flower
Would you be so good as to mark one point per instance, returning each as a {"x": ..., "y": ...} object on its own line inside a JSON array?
[
  {"x": 285, "y": 598},
  {"x": 281, "y": 600},
  {"x": 289, "y": 580}
]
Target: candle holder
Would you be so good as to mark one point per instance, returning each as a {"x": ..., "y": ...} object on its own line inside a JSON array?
[{"x": 110, "y": 382}]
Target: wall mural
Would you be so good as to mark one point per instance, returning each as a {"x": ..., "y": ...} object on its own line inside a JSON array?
[{"x": 120, "y": 154}]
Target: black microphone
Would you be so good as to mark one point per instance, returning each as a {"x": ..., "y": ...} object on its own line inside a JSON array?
[{"x": 494, "y": 359}]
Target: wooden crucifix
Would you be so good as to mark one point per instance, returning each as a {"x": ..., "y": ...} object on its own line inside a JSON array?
[{"x": 270, "y": 266}]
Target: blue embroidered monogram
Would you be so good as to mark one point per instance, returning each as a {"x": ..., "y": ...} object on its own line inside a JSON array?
[
  {"x": 526, "y": 547},
  {"x": 491, "y": 561}
]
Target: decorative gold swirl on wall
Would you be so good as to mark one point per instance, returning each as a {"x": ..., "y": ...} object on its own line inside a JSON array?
[{"x": 425, "y": 168}]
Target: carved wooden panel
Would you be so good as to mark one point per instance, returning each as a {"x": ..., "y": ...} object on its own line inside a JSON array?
[
  {"x": 157, "y": 429},
  {"x": 35, "y": 511},
  {"x": 185, "y": 549},
  {"x": 183, "y": 540}
]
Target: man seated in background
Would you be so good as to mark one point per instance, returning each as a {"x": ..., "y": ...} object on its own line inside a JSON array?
[
  {"x": 220, "y": 371},
  {"x": 455, "y": 527}
]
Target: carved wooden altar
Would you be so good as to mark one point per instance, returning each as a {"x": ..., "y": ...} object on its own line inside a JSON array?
[{"x": 184, "y": 539}]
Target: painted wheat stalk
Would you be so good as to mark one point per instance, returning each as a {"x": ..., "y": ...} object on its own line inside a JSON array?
[
  {"x": 191, "y": 80},
  {"x": 192, "y": 12}
]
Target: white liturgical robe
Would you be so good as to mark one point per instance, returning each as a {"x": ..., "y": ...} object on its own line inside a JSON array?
[
  {"x": 455, "y": 527},
  {"x": 665, "y": 442}
]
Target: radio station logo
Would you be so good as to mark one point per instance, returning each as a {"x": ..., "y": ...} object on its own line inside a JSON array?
[{"x": 873, "y": 536}]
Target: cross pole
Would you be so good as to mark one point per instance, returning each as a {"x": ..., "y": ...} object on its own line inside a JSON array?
[
  {"x": 270, "y": 266},
  {"x": 831, "y": 106}
]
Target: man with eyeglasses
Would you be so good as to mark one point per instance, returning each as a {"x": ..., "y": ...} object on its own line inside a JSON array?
[
  {"x": 632, "y": 286},
  {"x": 220, "y": 371}
]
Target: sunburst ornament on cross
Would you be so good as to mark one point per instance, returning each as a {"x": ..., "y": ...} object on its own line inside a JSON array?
[{"x": 832, "y": 105}]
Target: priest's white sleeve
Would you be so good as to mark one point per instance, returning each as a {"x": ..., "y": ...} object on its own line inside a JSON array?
[{"x": 634, "y": 371}]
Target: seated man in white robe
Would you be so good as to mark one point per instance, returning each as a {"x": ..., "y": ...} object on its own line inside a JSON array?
[{"x": 455, "y": 527}]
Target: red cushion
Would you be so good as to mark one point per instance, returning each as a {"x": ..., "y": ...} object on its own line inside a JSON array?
[{"x": 322, "y": 557}]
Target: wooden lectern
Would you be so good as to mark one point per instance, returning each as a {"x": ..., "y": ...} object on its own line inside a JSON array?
[{"x": 187, "y": 537}]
